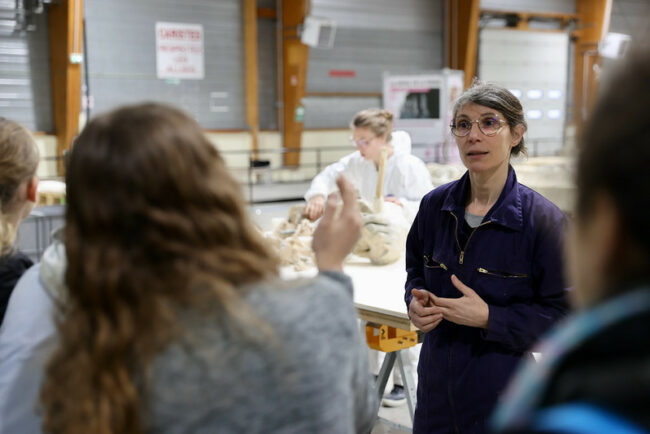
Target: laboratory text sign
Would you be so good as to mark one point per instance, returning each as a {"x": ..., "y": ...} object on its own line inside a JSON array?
[{"x": 179, "y": 51}]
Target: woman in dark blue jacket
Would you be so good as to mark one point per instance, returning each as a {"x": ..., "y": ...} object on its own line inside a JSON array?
[{"x": 484, "y": 265}]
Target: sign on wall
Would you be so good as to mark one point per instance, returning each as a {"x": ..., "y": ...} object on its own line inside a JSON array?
[{"x": 179, "y": 51}]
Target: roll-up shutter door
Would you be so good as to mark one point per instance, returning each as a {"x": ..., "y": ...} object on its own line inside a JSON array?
[{"x": 122, "y": 58}]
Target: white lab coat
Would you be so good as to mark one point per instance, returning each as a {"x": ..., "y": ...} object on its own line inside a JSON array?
[{"x": 405, "y": 176}]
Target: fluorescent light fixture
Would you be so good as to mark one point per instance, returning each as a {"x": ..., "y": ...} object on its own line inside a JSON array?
[
  {"x": 534, "y": 114},
  {"x": 534, "y": 94},
  {"x": 554, "y": 94},
  {"x": 554, "y": 114},
  {"x": 515, "y": 92}
]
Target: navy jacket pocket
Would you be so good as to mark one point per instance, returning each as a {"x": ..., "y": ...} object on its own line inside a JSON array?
[{"x": 500, "y": 286}]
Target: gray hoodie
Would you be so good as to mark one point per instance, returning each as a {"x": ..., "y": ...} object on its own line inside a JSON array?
[
  {"x": 314, "y": 379},
  {"x": 27, "y": 338}
]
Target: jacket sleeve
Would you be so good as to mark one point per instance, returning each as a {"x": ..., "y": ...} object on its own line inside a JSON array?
[
  {"x": 324, "y": 183},
  {"x": 366, "y": 401},
  {"x": 518, "y": 326},
  {"x": 414, "y": 268}
]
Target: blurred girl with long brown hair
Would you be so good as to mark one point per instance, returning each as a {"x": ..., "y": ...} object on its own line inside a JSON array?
[{"x": 177, "y": 320}]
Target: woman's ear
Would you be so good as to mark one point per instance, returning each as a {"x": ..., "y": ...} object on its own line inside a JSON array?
[
  {"x": 517, "y": 134},
  {"x": 32, "y": 189}
]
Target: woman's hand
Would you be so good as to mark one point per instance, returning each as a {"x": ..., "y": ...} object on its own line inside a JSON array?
[
  {"x": 315, "y": 206},
  {"x": 469, "y": 310},
  {"x": 335, "y": 237},
  {"x": 423, "y": 315}
]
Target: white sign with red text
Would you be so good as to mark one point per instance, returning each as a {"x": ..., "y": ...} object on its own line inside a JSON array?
[{"x": 179, "y": 51}]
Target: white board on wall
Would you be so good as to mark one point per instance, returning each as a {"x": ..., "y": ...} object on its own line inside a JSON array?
[
  {"x": 422, "y": 104},
  {"x": 179, "y": 51}
]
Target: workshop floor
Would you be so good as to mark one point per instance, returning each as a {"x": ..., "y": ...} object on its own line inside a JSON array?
[{"x": 395, "y": 420}]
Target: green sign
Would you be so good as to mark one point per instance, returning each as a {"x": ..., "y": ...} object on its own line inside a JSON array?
[{"x": 300, "y": 113}]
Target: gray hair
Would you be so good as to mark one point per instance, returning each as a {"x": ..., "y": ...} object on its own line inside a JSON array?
[{"x": 498, "y": 98}]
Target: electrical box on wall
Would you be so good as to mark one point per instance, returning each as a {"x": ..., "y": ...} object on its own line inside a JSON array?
[
  {"x": 614, "y": 45},
  {"x": 318, "y": 32}
]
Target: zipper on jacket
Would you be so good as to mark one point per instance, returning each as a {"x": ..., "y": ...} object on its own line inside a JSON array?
[
  {"x": 500, "y": 274},
  {"x": 427, "y": 260},
  {"x": 461, "y": 258}
]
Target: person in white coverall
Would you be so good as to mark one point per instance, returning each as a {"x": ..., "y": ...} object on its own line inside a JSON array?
[
  {"x": 406, "y": 178},
  {"x": 406, "y": 181}
]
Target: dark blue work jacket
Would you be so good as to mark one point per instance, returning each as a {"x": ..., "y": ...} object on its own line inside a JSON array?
[{"x": 513, "y": 260}]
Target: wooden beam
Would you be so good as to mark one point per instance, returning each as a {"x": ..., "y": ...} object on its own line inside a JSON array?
[
  {"x": 463, "y": 37},
  {"x": 251, "y": 74},
  {"x": 267, "y": 13},
  {"x": 593, "y": 25},
  {"x": 294, "y": 76},
  {"x": 66, "y": 38}
]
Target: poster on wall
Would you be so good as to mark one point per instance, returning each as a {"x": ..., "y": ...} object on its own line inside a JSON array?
[
  {"x": 421, "y": 104},
  {"x": 179, "y": 51}
]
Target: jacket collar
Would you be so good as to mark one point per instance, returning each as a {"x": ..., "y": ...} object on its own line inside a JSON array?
[{"x": 505, "y": 212}]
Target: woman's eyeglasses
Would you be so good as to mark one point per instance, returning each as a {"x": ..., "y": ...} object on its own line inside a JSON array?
[
  {"x": 360, "y": 142},
  {"x": 489, "y": 125}
]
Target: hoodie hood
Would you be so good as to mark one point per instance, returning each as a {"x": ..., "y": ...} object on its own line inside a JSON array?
[
  {"x": 53, "y": 266},
  {"x": 401, "y": 142}
]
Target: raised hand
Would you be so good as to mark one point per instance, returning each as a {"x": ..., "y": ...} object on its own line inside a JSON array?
[
  {"x": 469, "y": 310},
  {"x": 423, "y": 314},
  {"x": 335, "y": 236}
]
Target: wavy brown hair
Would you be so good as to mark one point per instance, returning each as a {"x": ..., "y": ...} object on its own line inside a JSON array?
[{"x": 155, "y": 225}]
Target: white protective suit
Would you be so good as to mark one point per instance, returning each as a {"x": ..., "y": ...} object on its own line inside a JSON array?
[{"x": 405, "y": 176}]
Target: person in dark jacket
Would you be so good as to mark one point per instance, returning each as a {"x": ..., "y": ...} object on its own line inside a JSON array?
[
  {"x": 18, "y": 182},
  {"x": 484, "y": 269},
  {"x": 594, "y": 375}
]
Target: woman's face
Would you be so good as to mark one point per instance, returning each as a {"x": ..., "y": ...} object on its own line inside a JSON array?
[
  {"x": 478, "y": 151},
  {"x": 368, "y": 144}
]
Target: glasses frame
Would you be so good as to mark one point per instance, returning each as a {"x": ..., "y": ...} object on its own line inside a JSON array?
[
  {"x": 361, "y": 142},
  {"x": 477, "y": 122}
]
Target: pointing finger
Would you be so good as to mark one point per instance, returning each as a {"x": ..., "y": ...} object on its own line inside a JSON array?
[
  {"x": 442, "y": 302},
  {"x": 330, "y": 209},
  {"x": 348, "y": 194},
  {"x": 421, "y": 294}
]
